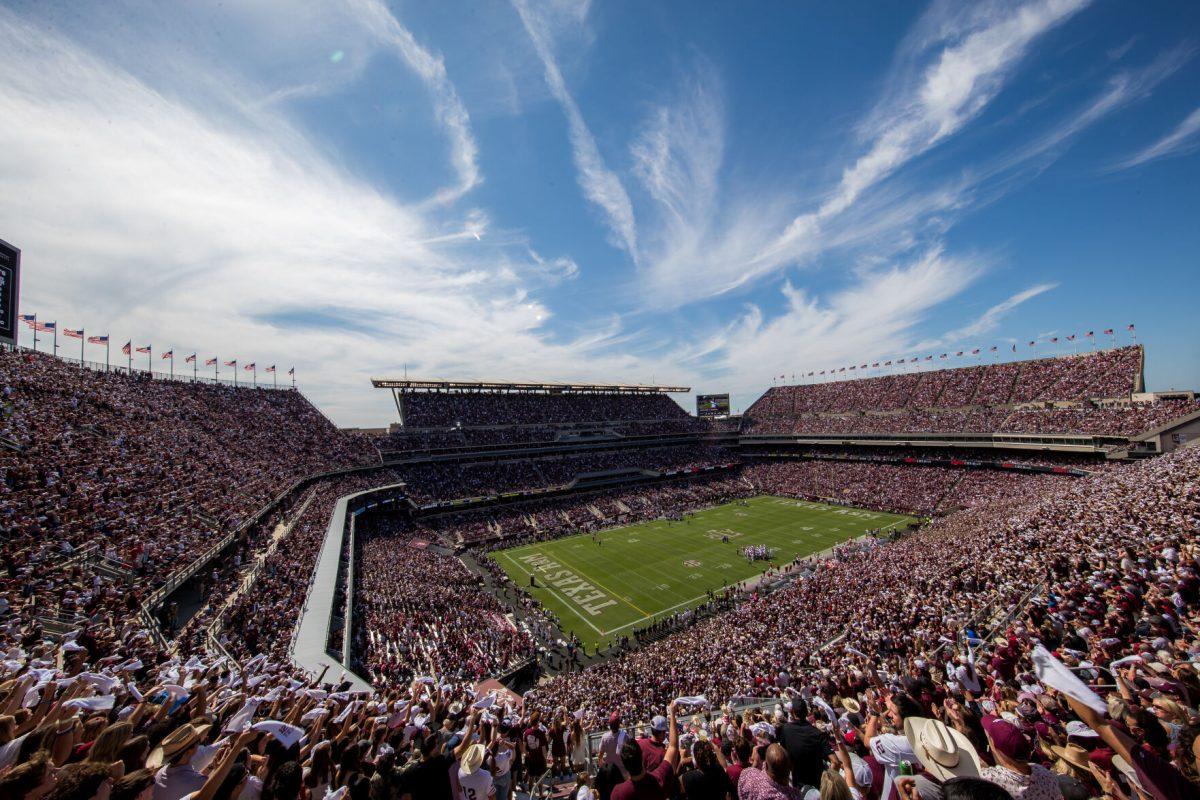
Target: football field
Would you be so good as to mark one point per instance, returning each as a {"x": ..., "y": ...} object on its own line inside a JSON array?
[{"x": 634, "y": 574}]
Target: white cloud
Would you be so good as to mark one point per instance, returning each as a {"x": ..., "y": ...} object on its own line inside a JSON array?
[
  {"x": 450, "y": 111},
  {"x": 952, "y": 65},
  {"x": 145, "y": 217},
  {"x": 600, "y": 185},
  {"x": 1180, "y": 141}
]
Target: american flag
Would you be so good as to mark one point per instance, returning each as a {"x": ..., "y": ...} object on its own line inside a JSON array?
[
  {"x": 975, "y": 352},
  {"x": 1054, "y": 339},
  {"x": 98, "y": 339},
  {"x": 73, "y": 334},
  {"x": 44, "y": 327},
  {"x": 1128, "y": 329},
  {"x": 292, "y": 371},
  {"x": 190, "y": 359},
  {"x": 126, "y": 348},
  {"x": 29, "y": 318},
  {"x": 1071, "y": 338},
  {"x": 231, "y": 363},
  {"x": 212, "y": 362},
  {"x": 249, "y": 366},
  {"x": 1108, "y": 331},
  {"x": 270, "y": 368},
  {"x": 992, "y": 349},
  {"x": 169, "y": 354},
  {"x": 145, "y": 349},
  {"x": 959, "y": 353}
]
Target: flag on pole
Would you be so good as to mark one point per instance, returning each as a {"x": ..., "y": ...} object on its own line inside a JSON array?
[
  {"x": 249, "y": 366},
  {"x": 212, "y": 362},
  {"x": 169, "y": 354},
  {"x": 292, "y": 371},
  {"x": 270, "y": 368},
  {"x": 1108, "y": 331},
  {"x": 231, "y": 363},
  {"x": 190, "y": 359},
  {"x": 975, "y": 352},
  {"x": 44, "y": 327},
  {"x": 992, "y": 349},
  {"x": 1071, "y": 338},
  {"x": 98, "y": 339},
  {"x": 1090, "y": 334},
  {"x": 70, "y": 334},
  {"x": 1054, "y": 339},
  {"x": 1128, "y": 329},
  {"x": 1031, "y": 344},
  {"x": 126, "y": 349},
  {"x": 29, "y": 319},
  {"x": 145, "y": 349},
  {"x": 959, "y": 353}
]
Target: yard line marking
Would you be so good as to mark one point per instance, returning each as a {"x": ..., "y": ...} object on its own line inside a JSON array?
[
  {"x": 663, "y": 611},
  {"x": 552, "y": 591}
]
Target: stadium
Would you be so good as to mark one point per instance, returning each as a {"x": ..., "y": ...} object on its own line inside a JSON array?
[
  {"x": 538, "y": 551},
  {"x": 599, "y": 401}
]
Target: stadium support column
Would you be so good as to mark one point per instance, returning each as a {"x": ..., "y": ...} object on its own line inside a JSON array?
[{"x": 399, "y": 405}]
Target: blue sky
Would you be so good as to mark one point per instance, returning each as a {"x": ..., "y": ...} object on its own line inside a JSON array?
[{"x": 707, "y": 194}]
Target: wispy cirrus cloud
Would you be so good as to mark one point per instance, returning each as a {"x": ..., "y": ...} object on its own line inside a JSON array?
[
  {"x": 448, "y": 108},
  {"x": 1183, "y": 139},
  {"x": 951, "y": 67},
  {"x": 232, "y": 234},
  {"x": 600, "y": 185}
]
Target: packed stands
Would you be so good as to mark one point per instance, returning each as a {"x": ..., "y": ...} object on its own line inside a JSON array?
[
  {"x": 421, "y": 612},
  {"x": 1091, "y": 394},
  {"x": 473, "y": 409},
  {"x": 150, "y": 471},
  {"x": 960, "y": 632}
]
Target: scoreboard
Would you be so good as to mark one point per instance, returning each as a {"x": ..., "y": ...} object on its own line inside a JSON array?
[
  {"x": 712, "y": 405},
  {"x": 10, "y": 285}
]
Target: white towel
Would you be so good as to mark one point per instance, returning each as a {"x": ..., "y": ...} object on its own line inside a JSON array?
[
  {"x": 287, "y": 735},
  {"x": 1055, "y": 674}
]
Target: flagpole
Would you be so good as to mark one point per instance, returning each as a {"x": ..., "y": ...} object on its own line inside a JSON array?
[
  {"x": 195, "y": 366},
  {"x": 172, "y": 360},
  {"x": 254, "y": 373},
  {"x": 293, "y": 377},
  {"x": 217, "y": 370},
  {"x": 129, "y": 367},
  {"x": 82, "y": 339},
  {"x": 149, "y": 359},
  {"x": 35, "y": 333},
  {"x": 107, "y": 344},
  {"x": 55, "y": 338}
]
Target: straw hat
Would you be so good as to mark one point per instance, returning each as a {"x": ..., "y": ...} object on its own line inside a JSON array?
[
  {"x": 851, "y": 705},
  {"x": 175, "y": 742},
  {"x": 944, "y": 752},
  {"x": 472, "y": 760},
  {"x": 1073, "y": 754}
]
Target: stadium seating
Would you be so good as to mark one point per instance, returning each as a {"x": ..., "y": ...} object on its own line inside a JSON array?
[
  {"x": 150, "y": 471},
  {"x": 968, "y": 624}
]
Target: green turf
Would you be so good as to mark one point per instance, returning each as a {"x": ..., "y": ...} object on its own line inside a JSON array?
[{"x": 644, "y": 571}]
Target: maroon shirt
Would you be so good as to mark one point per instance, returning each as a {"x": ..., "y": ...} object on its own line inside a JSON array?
[{"x": 652, "y": 785}]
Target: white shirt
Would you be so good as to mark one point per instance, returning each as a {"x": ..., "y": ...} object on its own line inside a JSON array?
[
  {"x": 476, "y": 786},
  {"x": 889, "y": 750}
]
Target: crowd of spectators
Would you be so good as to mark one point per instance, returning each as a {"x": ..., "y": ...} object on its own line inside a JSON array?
[
  {"x": 431, "y": 481},
  {"x": 911, "y": 489},
  {"x": 151, "y": 471},
  {"x": 420, "y": 612},
  {"x": 1027, "y": 647},
  {"x": 1084, "y": 418},
  {"x": 1040, "y": 641},
  {"x": 471, "y": 409},
  {"x": 1096, "y": 375}
]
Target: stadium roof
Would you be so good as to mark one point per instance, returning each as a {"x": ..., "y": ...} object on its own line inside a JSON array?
[{"x": 417, "y": 384}]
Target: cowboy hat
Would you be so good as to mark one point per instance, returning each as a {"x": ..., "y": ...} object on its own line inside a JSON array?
[
  {"x": 851, "y": 705},
  {"x": 1073, "y": 754},
  {"x": 944, "y": 752},
  {"x": 176, "y": 742},
  {"x": 472, "y": 760}
]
